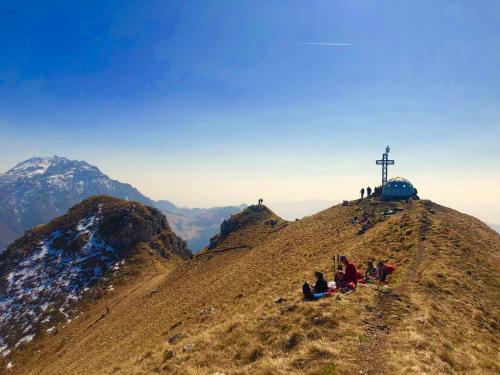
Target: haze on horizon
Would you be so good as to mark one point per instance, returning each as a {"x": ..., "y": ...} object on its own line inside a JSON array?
[{"x": 215, "y": 104}]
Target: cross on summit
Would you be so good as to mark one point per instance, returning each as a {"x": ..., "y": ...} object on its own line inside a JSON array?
[{"x": 384, "y": 162}]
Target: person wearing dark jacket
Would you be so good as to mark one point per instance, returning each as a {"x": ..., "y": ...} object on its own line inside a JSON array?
[
  {"x": 306, "y": 289},
  {"x": 384, "y": 270},
  {"x": 321, "y": 285}
]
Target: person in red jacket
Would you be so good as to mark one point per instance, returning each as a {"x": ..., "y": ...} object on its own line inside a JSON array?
[{"x": 351, "y": 272}]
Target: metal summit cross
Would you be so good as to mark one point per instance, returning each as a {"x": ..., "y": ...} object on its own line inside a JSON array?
[{"x": 384, "y": 163}]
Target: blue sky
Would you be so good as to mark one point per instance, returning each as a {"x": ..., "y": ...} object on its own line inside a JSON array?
[{"x": 221, "y": 102}]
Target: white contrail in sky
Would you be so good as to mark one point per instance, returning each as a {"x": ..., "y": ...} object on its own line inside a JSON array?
[{"x": 324, "y": 44}]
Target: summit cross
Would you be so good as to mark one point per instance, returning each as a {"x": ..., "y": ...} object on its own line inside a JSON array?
[{"x": 384, "y": 163}]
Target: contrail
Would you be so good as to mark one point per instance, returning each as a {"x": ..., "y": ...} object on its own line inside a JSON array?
[{"x": 324, "y": 44}]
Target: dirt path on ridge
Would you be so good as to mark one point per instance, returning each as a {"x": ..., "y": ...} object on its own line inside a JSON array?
[{"x": 387, "y": 315}]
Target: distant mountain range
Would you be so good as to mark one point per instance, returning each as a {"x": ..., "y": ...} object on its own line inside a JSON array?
[
  {"x": 198, "y": 225},
  {"x": 40, "y": 189}
]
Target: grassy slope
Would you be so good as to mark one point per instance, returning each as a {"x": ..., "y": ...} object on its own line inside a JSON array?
[{"x": 440, "y": 314}]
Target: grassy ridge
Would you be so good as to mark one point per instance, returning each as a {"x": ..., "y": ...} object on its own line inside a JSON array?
[{"x": 218, "y": 312}]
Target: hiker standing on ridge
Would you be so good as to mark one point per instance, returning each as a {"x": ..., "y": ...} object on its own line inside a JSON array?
[
  {"x": 368, "y": 192},
  {"x": 362, "y": 192}
]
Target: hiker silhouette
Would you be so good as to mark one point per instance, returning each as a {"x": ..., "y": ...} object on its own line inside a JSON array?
[{"x": 362, "y": 192}]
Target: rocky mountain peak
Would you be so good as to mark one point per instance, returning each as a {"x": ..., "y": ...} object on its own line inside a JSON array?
[
  {"x": 48, "y": 271},
  {"x": 39, "y": 166},
  {"x": 256, "y": 219},
  {"x": 39, "y": 189}
]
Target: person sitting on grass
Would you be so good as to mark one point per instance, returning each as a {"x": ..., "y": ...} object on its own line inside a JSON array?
[
  {"x": 384, "y": 271},
  {"x": 321, "y": 285},
  {"x": 320, "y": 288},
  {"x": 350, "y": 280},
  {"x": 371, "y": 270},
  {"x": 339, "y": 277},
  {"x": 306, "y": 289}
]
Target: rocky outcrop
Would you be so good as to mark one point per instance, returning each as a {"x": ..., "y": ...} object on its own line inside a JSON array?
[
  {"x": 260, "y": 219},
  {"x": 124, "y": 227},
  {"x": 45, "y": 273}
]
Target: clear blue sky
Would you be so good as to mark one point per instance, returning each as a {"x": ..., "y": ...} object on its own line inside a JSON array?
[{"x": 217, "y": 102}]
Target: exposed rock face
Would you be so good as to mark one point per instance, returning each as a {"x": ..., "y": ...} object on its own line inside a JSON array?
[
  {"x": 251, "y": 214},
  {"x": 255, "y": 215},
  {"x": 45, "y": 273},
  {"x": 123, "y": 228}
]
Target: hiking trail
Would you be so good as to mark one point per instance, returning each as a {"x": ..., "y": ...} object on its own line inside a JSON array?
[{"x": 387, "y": 314}]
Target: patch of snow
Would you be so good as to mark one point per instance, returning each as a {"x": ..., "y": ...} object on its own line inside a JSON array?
[
  {"x": 9, "y": 365},
  {"x": 25, "y": 340},
  {"x": 44, "y": 306},
  {"x": 49, "y": 280},
  {"x": 50, "y": 330}
]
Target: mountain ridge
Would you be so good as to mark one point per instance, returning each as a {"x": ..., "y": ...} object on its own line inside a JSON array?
[
  {"x": 48, "y": 272},
  {"x": 243, "y": 312},
  {"x": 42, "y": 188}
]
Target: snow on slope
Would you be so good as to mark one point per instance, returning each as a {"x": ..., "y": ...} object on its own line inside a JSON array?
[
  {"x": 44, "y": 286},
  {"x": 39, "y": 189}
]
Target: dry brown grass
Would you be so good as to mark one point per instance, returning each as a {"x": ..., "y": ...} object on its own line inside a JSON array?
[{"x": 440, "y": 314}]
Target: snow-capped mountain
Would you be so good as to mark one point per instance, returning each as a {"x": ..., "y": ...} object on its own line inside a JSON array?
[
  {"x": 61, "y": 174},
  {"x": 46, "y": 273},
  {"x": 40, "y": 189}
]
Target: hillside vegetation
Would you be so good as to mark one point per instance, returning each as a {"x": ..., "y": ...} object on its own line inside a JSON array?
[
  {"x": 47, "y": 274},
  {"x": 237, "y": 308}
]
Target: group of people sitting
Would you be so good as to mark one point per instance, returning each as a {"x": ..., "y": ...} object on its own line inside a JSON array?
[
  {"x": 364, "y": 220},
  {"x": 380, "y": 272},
  {"x": 346, "y": 279}
]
